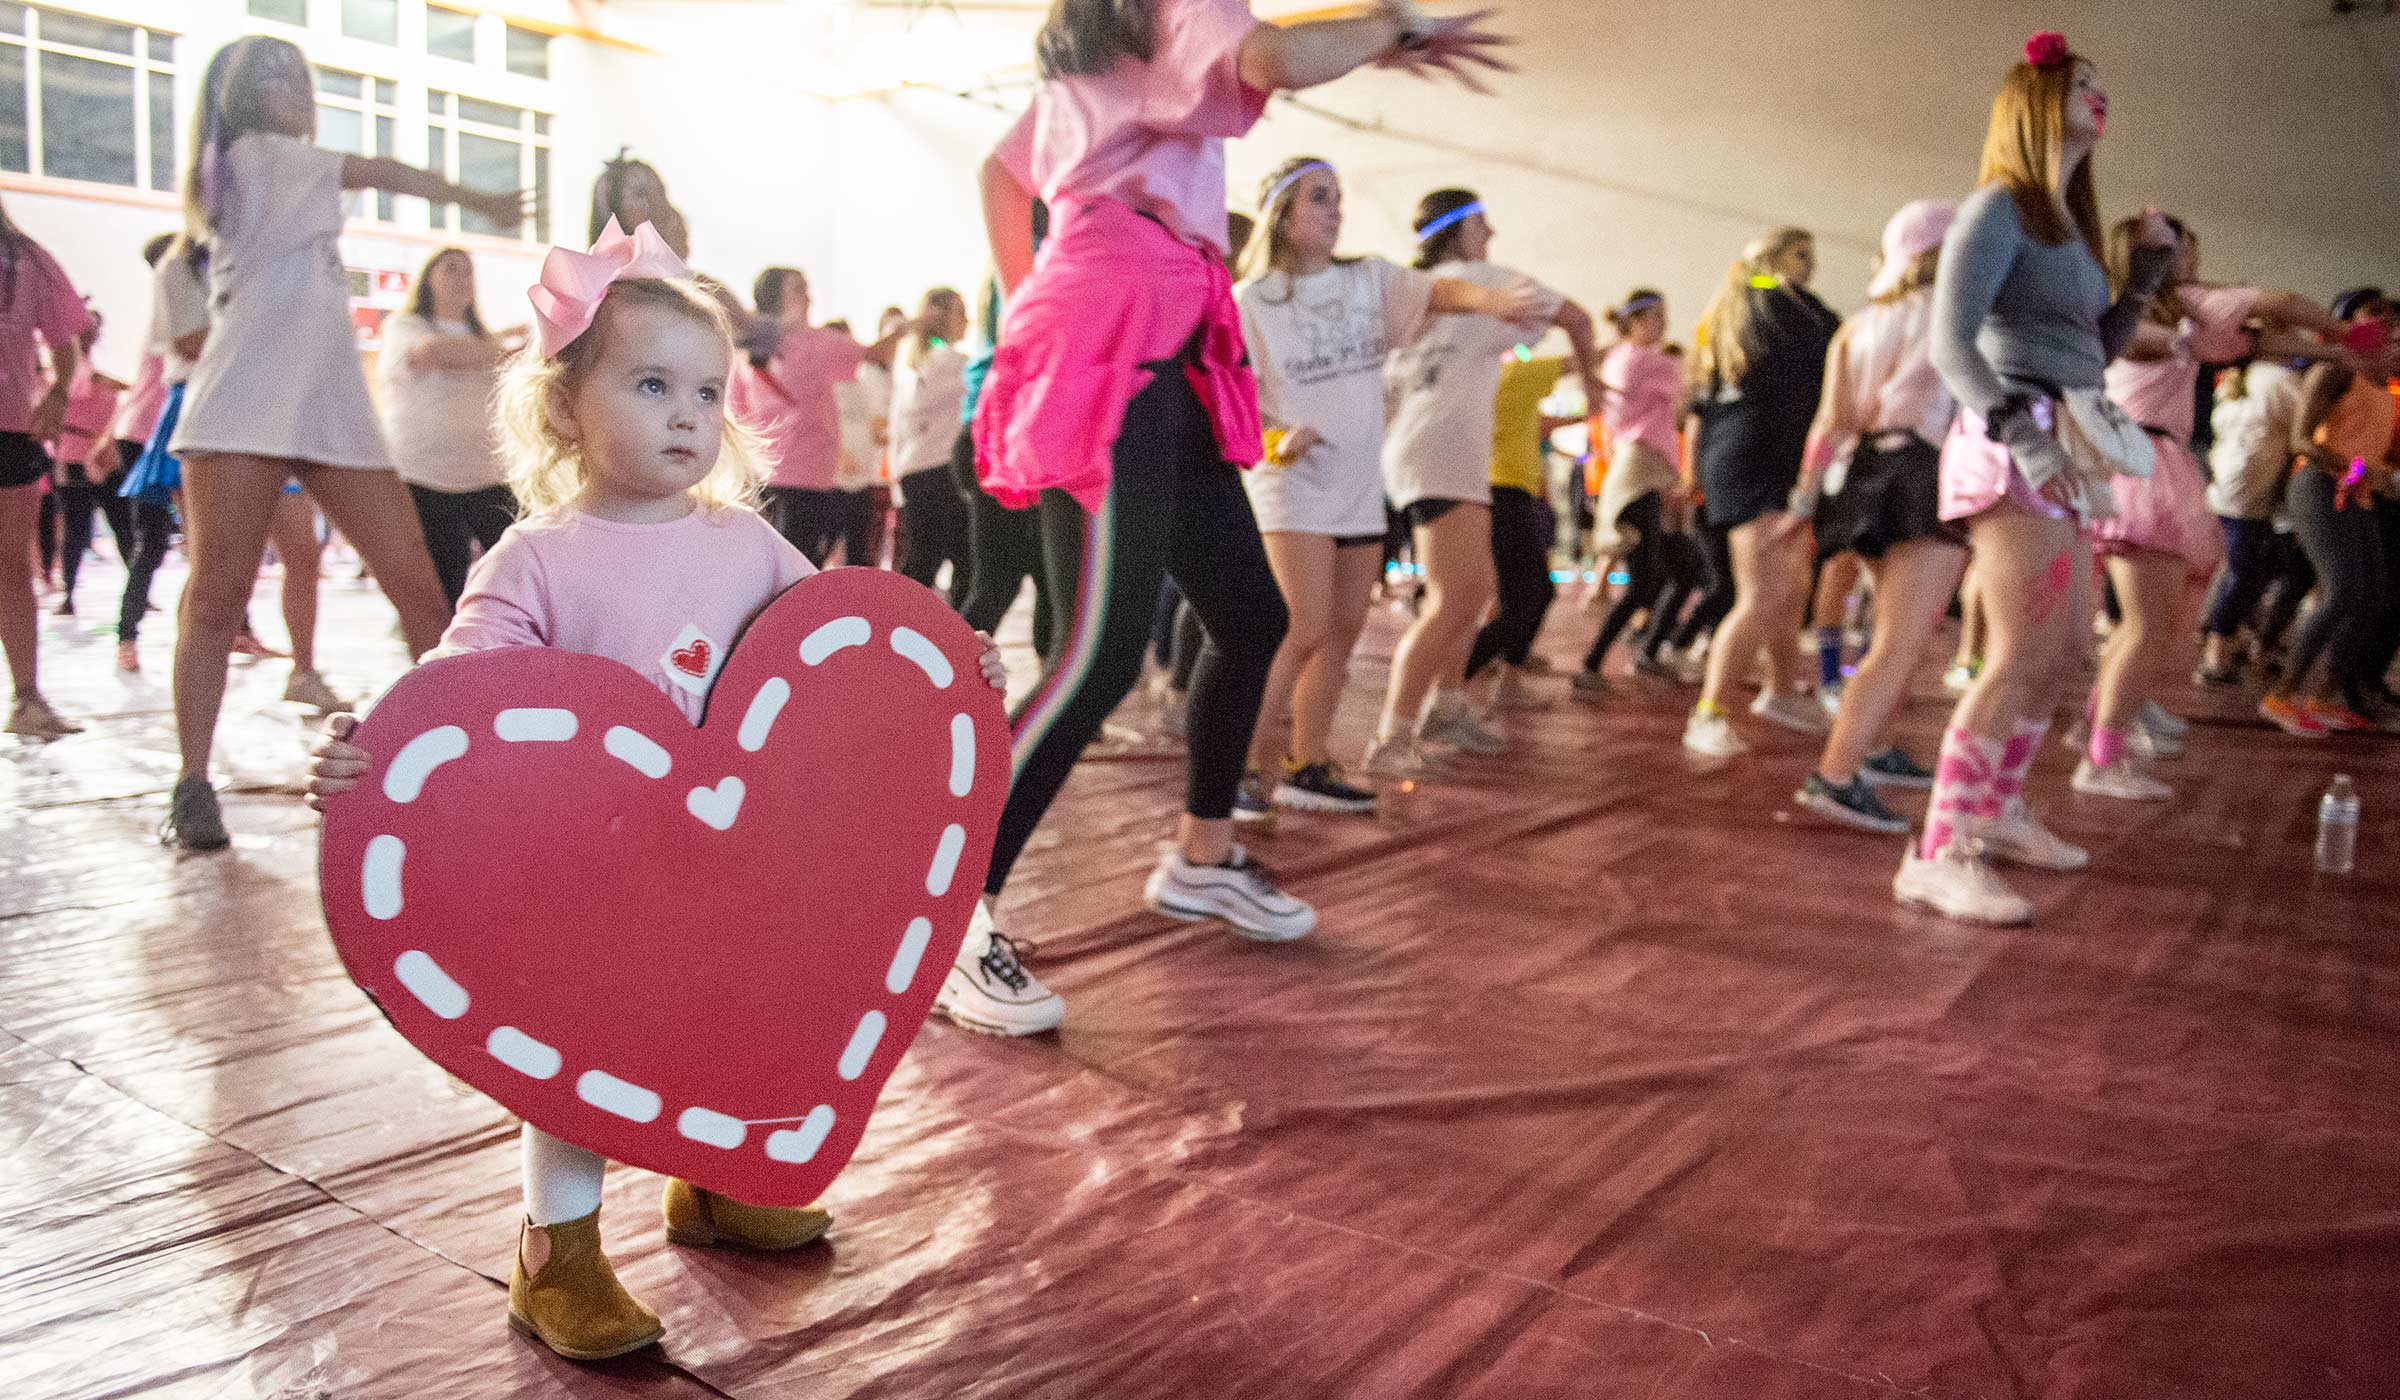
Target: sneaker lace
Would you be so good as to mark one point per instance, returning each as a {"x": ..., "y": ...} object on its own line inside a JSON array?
[
  {"x": 1253, "y": 871},
  {"x": 1004, "y": 961}
]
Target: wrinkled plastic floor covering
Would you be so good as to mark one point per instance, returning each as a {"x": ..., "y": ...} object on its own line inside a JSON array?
[{"x": 1608, "y": 1074}]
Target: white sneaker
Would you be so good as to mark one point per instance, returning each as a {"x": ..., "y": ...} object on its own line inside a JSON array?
[
  {"x": 1829, "y": 699},
  {"x": 2119, "y": 779},
  {"x": 989, "y": 989},
  {"x": 2159, "y": 720},
  {"x": 1454, "y": 723},
  {"x": 2019, "y": 838},
  {"x": 1958, "y": 680},
  {"x": 1713, "y": 736},
  {"x": 1793, "y": 712},
  {"x": 1691, "y": 664},
  {"x": 2146, "y": 742},
  {"x": 1404, "y": 757},
  {"x": 1240, "y": 892},
  {"x": 1957, "y": 884}
]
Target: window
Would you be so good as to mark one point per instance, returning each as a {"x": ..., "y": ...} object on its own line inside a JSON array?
[
  {"x": 449, "y": 34},
  {"x": 281, "y": 11},
  {"x": 361, "y": 115},
  {"x": 487, "y": 145},
  {"x": 376, "y": 21},
  {"x": 85, "y": 99},
  {"x": 528, "y": 52}
]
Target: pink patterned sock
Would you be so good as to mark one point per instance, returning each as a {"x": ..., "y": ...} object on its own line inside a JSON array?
[
  {"x": 2023, "y": 747},
  {"x": 1964, "y": 780},
  {"x": 2108, "y": 744}
]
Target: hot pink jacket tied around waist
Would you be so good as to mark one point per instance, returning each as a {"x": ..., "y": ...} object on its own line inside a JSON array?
[{"x": 1110, "y": 292}]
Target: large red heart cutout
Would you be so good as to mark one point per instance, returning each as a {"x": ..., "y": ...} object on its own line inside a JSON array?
[{"x": 698, "y": 951}]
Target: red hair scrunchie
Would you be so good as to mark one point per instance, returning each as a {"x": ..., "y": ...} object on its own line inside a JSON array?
[{"x": 2047, "y": 49}]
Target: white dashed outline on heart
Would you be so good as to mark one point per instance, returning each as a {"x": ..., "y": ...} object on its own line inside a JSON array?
[{"x": 404, "y": 781}]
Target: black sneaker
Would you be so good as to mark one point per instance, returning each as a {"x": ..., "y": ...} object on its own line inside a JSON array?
[
  {"x": 1853, "y": 804},
  {"x": 1894, "y": 768},
  {"x": 1319, "y": 788}
]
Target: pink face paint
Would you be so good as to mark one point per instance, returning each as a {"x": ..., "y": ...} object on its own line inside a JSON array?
[
  {"x": 2098, "y": 107},
  {"x": 2056, "y": 582}
]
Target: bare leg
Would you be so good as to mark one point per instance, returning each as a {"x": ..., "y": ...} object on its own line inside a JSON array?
[
  {"x": 1768, "y": 583},
  {"x": 294, "y": 535},
  {"x": 1303, "y": 565},
  {"x": 228, "y": 500},
  {"x": 1355, "y": 573},
  {"x": 1456, "y": 552},
  {"x": 373, "y": 511},
  {"x": 2151, "y": 594},
  {"x": 1913, "y": 583},
  {"x": 20, "y": 623}
]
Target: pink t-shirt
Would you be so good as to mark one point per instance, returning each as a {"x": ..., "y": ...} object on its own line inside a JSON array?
[
  {"x": 791, "y": 403},
  {"x": 41, "y": 303},
  {"x": 1645, "y": 388},
  {"x": 667, "y": 600},
  {"x": 91, "y": 403},
  {"x": 1149, "y": 135},
  {"x": 2162, "y": 394},
  {"x": 1879, "y": 374},
  {"x": 137, "y": 412}
]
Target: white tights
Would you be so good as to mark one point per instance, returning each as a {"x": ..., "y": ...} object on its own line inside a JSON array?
[{"x": 562, "y": 1181}]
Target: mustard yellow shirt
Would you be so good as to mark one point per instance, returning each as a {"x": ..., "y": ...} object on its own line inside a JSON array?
[{"x": 1517, "y": 421}]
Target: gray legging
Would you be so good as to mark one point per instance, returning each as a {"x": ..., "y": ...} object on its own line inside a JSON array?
[{"x": 2346, "y": 550}]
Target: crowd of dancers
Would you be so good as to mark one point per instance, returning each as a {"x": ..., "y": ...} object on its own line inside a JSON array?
[{"x": 1207, "y": 439}]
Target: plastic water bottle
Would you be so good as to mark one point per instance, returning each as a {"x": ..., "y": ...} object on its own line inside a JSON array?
[{"x": 2337, "y": 827}]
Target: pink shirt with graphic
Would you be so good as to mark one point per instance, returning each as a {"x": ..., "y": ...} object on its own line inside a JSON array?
[
  {"x": 667, "y": 600},
  {"x": 2162, "y": 394},
  {"x": 791, "y": 403},
  {"x": 42, "y": 305},
  {"x": 1149, "y": 135}
]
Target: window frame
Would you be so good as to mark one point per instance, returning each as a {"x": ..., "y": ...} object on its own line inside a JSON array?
[{"x": 26, "y": 47}]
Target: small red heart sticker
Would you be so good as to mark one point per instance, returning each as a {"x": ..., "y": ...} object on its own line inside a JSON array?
[
  {"x": 691, "y": 660},
  {"x": 700, "y": 951}
]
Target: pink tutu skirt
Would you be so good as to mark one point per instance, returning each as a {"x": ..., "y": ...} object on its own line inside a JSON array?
[
  {"x": 2166, "y": 511},
  {"x": 1978, "y": 474}
]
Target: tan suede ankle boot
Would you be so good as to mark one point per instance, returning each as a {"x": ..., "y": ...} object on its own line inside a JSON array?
[
  {"x": 572, "y": 1303},
  {"x": 702, "y": 1218}
]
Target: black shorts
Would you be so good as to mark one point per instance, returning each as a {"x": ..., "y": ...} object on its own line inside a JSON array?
[
  {"x": 1356, "y": 541},
  {"x": 1421, "y": 513},
  {"x": 1891, "y": 495},
  {"x": 22, "y": 461}
]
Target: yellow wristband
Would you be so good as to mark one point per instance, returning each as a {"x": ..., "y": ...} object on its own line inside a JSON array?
[{"x": 1274, "y": 439}]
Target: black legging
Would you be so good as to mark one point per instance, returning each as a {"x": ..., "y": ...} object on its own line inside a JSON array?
[
  {"x": 456, "y": 524},
  {"x": 933, "y": 525},
  {"x": 75, "y": 502},
  {"x": 1660, "y": 572},
  {"x": 2383, "y": 644},
  {"x": 153, "y": 530},
  {"x": 1176, "y": 637},
  {"x": 1715, "y": 550},
  {"x": 1522, "y": 527},
  {"x": 2253, "y": 557},
  {"x": 857, "y": 534},
  {"x": 1175, "y": 508},
  {"x": 2347, "y": 551},
  {"x": 810, "y": 519},
  {"x": 1004, "y": 549}
]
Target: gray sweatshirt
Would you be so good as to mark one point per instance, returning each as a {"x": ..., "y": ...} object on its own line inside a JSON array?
[{"x": 2013, "y": 315}]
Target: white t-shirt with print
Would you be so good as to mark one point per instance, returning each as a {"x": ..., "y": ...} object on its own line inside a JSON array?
[
  {"x": 1439, "y": 446},
  {"x": 440, "y": 420},
  {"x": 1318, "y": 344}
]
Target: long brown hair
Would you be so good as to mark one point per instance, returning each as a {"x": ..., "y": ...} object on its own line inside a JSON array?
[
  {"x": 1433, "y": 252},
  {"x": 1916, "y": 278},
  {"x": 2166, "y": 308},
  {"x": 230, "y": 107},
  {"x": 2024, "y": 145},
  {"x": 1089, "y": 36},
  {"x": 1726, "y": 339},
  {"x": 1266, "y": 250},
  {"x": 420, "y": 297},
  {"x": 920, "y": 340}
]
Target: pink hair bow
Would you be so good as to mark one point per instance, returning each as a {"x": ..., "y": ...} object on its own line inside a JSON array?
[{"x": 568, "y": 297}]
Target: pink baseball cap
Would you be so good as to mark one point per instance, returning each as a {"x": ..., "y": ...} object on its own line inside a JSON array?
[{"x": 1916, "y": 229}]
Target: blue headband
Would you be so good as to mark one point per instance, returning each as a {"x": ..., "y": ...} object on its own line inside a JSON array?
[
  {"x": 1456, "y": 216},
  {"x": 1637, "y": 305},
  {"x": 1267, "y": 204}
]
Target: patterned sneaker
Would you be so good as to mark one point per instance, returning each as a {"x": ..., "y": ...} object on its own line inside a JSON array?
[
  {"x": 194, "y": 821},
  {"x": 989, "y": 990},
  {"x": 1852, "y": 804},
  {"x": 1318, "y": 787},
  {"x": 1894, "y": 768},
  {"x": 1240, "y": 892},
  {"x": 1253, "y": 805},
  {"x": 2290, "y": 717},
  {"x": 1454, "y": 723},
  {"x": 1957, "y": 884}
]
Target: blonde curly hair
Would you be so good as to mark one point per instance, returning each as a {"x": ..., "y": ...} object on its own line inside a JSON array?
[{"x": 546, "y": 471}]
